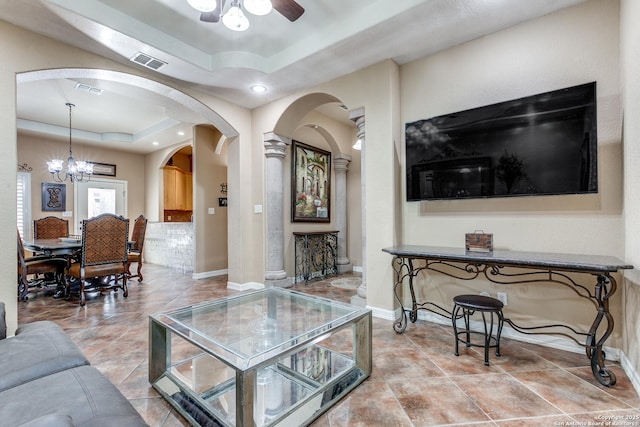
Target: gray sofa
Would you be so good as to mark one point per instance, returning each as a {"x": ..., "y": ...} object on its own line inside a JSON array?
[{"x": 45, "y": 381}]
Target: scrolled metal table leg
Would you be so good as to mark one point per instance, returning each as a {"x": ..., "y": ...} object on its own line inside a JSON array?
[
  {"x": 605, "y": 287},
  {"x": 401, "y": 322},
  {"x": 413, "y": 314}
]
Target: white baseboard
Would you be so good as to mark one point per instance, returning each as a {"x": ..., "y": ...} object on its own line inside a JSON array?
[
  {"x": 207, "y": 274},
  {"x": 357, "y": 268},
  {"x": 244, "y": 286},
  {"x": 550, "y": 341},
  {"x": 633, "y": 376},
  {"x": 384, "y": 314}
]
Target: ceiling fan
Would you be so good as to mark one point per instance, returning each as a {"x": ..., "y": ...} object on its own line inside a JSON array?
[{"x": 287, "y": 8}]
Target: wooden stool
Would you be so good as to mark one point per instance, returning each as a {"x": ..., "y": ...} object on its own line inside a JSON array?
[{"x": 469, "y": 304}]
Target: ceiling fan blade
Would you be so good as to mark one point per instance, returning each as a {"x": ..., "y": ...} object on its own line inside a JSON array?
[
  {"x": 214, "y": 15},
  {"x": 288, "y": 8}
]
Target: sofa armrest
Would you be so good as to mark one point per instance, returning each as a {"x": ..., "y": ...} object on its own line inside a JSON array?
[{"x": 3, "y": 322}]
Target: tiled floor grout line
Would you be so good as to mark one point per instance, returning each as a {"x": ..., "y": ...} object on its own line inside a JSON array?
[
  {"x": 601, "y": 390},
  {"x": 534, "y": 391},
  {"x": 452, "y": 379}
]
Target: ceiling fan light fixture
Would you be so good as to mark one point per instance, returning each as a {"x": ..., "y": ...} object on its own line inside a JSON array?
[
  {"x": 258, "y": 7},
  {"x": 234, "y": 19},
  {"x": 203, "y": 5}
]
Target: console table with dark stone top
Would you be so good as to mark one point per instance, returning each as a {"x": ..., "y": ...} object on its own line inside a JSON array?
[{"x": 532, "y": 267}]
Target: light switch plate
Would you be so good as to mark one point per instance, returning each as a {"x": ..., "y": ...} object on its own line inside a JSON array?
[{"x": 212, "y": 211}]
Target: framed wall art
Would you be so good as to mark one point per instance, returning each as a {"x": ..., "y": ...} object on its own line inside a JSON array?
[
  {"x": 310, "y": 184},
  {"x": 104, "y": 169},
  {"x": 54, "y": 197}
]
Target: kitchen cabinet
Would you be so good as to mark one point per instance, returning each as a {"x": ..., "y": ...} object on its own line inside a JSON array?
[{"x": 177, "y": 189}]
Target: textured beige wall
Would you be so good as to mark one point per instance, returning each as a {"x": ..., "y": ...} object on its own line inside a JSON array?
[
  {"x": 211, "y": 230},
  {"x": 35, "y": 151},
  {"x": 631, "y": 323},
  {"x": 570, "y": 47},
  {"x": 630, "y": 65}
]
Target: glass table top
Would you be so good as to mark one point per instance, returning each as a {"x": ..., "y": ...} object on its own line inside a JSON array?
[{"x": 247, "y": 329}]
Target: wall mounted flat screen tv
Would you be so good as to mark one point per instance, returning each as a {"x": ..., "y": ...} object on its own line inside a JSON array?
[{"x": 538, "y": 145}]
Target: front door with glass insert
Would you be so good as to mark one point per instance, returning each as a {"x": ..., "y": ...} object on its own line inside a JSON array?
[{"x": 99, "y": 196}]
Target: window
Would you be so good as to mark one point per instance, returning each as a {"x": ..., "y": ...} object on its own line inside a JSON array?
[
  {"x": 24, "y": 204},
  {"x": 101, "y": 200}
]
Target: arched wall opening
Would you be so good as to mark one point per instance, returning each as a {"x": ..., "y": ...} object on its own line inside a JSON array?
[
  {"x": 292, "y": 116},
  {"x": 208, "y": 115},
  {"x": 302, "y": 121},
  {"x": 154, "y": 161}
]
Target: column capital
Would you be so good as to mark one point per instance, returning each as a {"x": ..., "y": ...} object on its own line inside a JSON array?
[
  {"x": 341, "y": 162},
  {"x": 342, "y": 157},
  {"x": 356, "y": 114},
  {"x": 275, "y": 145}
]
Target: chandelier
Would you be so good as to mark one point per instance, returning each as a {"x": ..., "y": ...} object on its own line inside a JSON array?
[
  {"x": 76, "y": 171},
  {"x": 234, "y": 19}
]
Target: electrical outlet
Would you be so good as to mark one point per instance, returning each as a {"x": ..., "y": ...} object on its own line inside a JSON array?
[{"x": 502, "y": 296}]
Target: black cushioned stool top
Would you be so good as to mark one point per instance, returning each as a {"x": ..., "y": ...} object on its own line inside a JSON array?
[{"x": 478, "y": 302}]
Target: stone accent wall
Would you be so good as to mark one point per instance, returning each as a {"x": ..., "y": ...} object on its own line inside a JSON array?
[{"x": 170, "y": 244}]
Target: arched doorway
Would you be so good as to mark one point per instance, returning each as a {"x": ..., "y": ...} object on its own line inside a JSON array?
[
  {"x": 302, "y": 121},
  {"x": 206, "y": 114}
]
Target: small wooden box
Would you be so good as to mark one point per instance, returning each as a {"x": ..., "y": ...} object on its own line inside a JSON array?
[{"x": 479, "y": 242}]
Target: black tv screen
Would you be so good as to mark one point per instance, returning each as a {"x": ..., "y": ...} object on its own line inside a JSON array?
[{"x": 538, "y": 145}]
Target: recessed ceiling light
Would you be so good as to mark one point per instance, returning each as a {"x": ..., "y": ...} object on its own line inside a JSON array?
[
  {"x": 180, "y": 133},
  {"x": 258, "y": 89},
  {"x": 154, "y": 143}
]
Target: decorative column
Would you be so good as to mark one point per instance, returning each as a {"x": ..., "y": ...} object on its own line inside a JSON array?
[
  {"x": 357, "y": 115},
  {"x": 340, "y": 167},
  {"x": 275, "y": 152}
]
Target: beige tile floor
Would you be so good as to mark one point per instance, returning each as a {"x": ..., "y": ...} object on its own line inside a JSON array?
[{"x": 416, "y": 379}]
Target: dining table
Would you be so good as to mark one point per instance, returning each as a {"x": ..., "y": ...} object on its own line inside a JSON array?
[
  {"x": 63, "y": 247},
  {"x": 68, "y": 247},
  {"x": 54, "y": 247}
]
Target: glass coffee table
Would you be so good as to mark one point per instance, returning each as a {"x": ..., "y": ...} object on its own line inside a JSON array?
[{"x": 265, "y": 358}]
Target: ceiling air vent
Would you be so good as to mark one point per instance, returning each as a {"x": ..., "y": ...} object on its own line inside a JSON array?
[
  {"x": 148, "y": 61},
  {"x": 89, "y": 89}
]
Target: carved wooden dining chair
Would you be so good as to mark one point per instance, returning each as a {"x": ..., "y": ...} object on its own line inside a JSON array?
[
  {"x": 103, "y": 257},
  {"x": 135, "y": 251},
  {"x": 50, "y": 227},
  {"x": 35, "y": 267}
]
